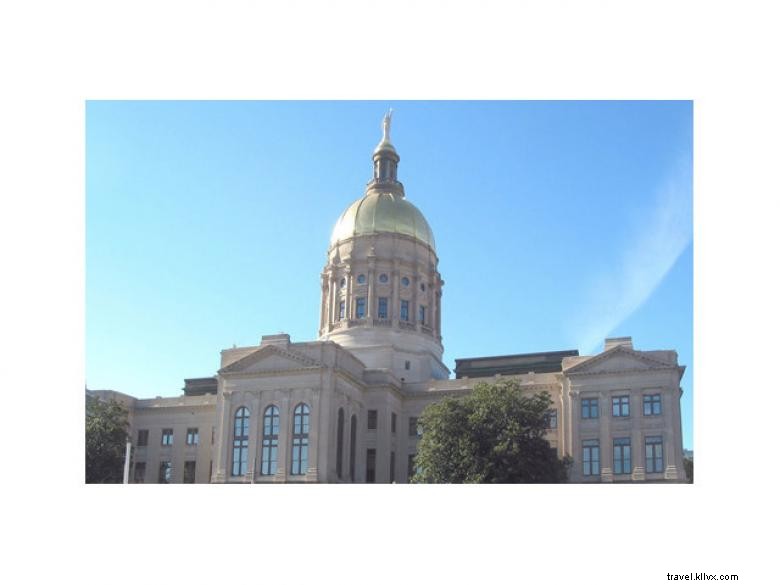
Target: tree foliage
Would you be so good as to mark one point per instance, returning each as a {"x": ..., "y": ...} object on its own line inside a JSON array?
[
  {"x": 107, "y": 434},
  {"x": 493, "y": 435},
  {"x": 688, "y": 464}
]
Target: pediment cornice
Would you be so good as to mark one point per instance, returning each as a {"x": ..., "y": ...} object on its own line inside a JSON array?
[
  {"x": 299, "y": 362},
  {"x": 599, "y": 364}
]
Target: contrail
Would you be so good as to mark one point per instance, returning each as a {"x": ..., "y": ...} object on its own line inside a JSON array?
[{"x": 661, "y": 237}]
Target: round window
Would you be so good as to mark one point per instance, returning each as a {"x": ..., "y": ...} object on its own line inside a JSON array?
[
  {"x": 405, "y": 281},
  {"x": 383, "y": 278},
  {"x": 361, "y": 279}
]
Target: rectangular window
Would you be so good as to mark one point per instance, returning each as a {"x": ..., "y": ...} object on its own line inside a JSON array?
[
  {"x": 392, "y": 422},
  {"x": 360, "y": 307},
  {"x": 192, "y": 436},
  {"x": 651, "y": 404},
  {"x": 370, "y": 465},
  {"x": 392, "y": 466},
  {"x": 404, "y": 310},
  {"x": 590, "y": 408},
  {"x": 372, "y": 420},
  {"x": 189, "y": 472},
  {"x": 382, "y": 308},
  {"x": 166, "y": 470},
  {"x": 139, "y": 473},
  {"x": 654, "y": 454},
  {"x": 342, "y": 308},
  {"x": 552, "y": 419},
  {"x": 621, "y": 456},
  {"x": 167, "y": 437},
  {"x": 415, "y": 430},
  {"x": 422, "y": 315},
  {"x": 620, "y": 406},
  {"x": 410, "y": 467},
  {"x": 590, "y": 457},
  {"x": 143, "y": 438}
]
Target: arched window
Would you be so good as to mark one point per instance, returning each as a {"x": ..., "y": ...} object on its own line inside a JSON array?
[
  {"x": 340, "y": 442},
  {"x": 240, "y": 441},
  {"x": 300, "y": 444},
  {"x": 270, "y": 441},
  {"x": 352, "y": 438}
]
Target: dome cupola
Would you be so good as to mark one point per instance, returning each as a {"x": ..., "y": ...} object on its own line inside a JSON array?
[
  {"x": 381, "y": 289},
  {"x": 384, "y": 207}
]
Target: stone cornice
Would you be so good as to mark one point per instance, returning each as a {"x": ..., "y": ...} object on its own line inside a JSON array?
[
  {"x": 263, "y": 351},
  {"x": 269, "y": 373},
  {"x": 200, "y": 406},
  {"x": 582, "y": 367},
  {"x": 623, "y": 371}
]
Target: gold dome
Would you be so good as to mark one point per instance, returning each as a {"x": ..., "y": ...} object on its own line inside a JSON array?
[{"x": 379, "y": 212}]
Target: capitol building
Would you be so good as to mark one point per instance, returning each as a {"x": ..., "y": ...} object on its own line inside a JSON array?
[{"x": 344, "y": 408}]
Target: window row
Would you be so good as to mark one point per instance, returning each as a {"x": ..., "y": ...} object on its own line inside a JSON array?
[
  {"x": 381, "y": 311},
  {"x": 371, "y": 466},
  {"x": 269, "y": 445},
  {"x": 415, "y": 430},
  {"x": 165, "y": 472},
  {"x": 651, "y": 406},
  {"x": 383, "y": 278},
  {"x": 166, "y": 437},
  {"x": 372, "y": 421},
  {"x": 621, "y": 456}
]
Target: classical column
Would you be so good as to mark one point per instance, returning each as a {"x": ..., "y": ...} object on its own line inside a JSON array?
[
  {"x": 285, "y": 435},
  {"x": 671, "y": 464},
  {"x": 324, "y": 309},
  {"x": 255, "y": 419},
  {"x": 563, "y": 420},
  {"x": 333, "y": 300},
  {"x": 348, "y": 310},
  {"x": 574, "y": 434},
  {"x": 370, "y": 300},
  {"x": 413, "y": 308},
  {"x": 395, "y": 312},
  {"x": 637, "y": 447},
  {"x": 605, "y": 445},
  {"x": 223, "y": 440},
  {"x": 438, "y": 313},
  {"x": 315, "y": 414}
]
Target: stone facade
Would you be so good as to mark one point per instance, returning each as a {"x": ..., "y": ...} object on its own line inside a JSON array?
[{"x": 342, "y": 409}]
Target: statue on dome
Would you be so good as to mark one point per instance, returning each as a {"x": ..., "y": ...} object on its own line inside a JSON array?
[{"x": 386, "y": 125}]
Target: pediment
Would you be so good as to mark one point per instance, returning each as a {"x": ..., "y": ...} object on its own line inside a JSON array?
[
  {"x": 618, "y": 359},
  {"x": 270, "y": 359}
]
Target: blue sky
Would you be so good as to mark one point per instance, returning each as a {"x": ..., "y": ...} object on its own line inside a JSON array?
[{"x": 557, "y": 224}]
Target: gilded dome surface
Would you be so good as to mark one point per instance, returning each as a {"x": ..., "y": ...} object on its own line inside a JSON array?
[{"x": 379, "y": 212}]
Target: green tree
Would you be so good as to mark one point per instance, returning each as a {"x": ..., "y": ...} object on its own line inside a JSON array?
[
  {"x": 107, "y": 434},
  {"x": 688, "y": 464},
  {"x": 493, "y": 435}
]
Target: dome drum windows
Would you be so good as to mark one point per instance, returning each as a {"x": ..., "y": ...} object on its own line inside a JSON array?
[
  {"x": 360, "y": 307},
  {"x": 404, "y": 310},
  {"x": 382, "y": 308}
]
